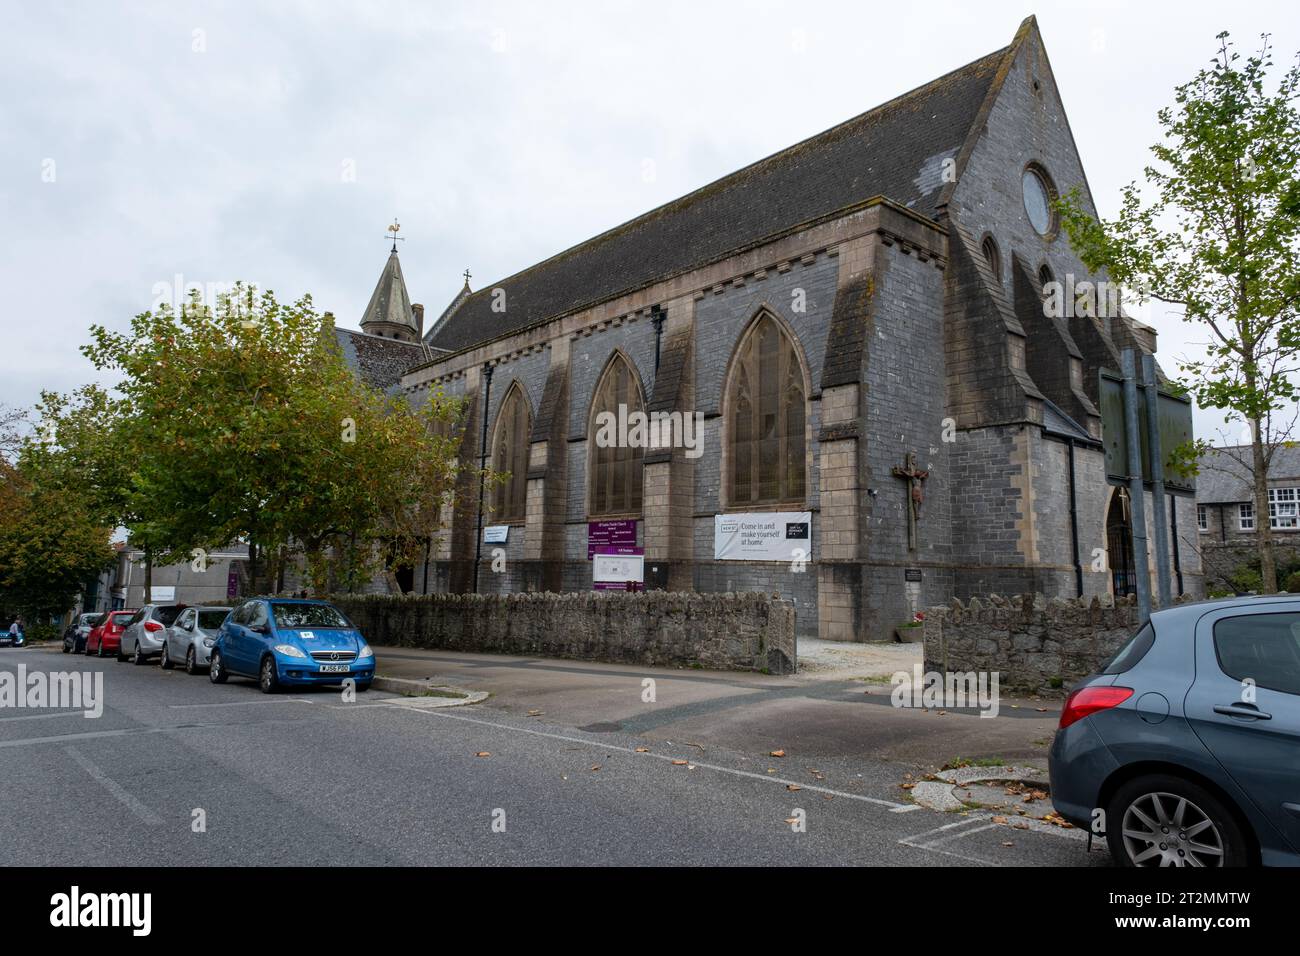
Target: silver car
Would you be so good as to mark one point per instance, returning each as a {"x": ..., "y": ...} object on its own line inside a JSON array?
[
  {"x": 191, "y": 637},
  {"x": 145, "y": 633}
]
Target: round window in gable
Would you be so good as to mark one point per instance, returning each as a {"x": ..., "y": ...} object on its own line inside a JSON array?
[{"x": 1039, "y": 195}]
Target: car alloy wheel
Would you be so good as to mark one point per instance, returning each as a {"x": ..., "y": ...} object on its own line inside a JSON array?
[
  {"x": 1165, "y": 819},
  {"x": 216, "y": 669},
  {"x": 165, "y": 662},
  {"x": 267, "y": 680},
  {"x": 137, "y": 658},
  {"x": 191, "y": 667}
]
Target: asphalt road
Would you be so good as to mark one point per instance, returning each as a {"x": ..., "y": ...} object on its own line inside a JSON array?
[{"x": 309, "y": 779}]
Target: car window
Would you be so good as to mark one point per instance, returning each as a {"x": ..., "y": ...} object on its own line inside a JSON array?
[
  {"x": 186, "y": 619},
  {"x": 240, "y": 614},
  {"x": 1134, "y": 649},
  {"x": 211, "y": 620},
  {"x": 123, "y": 618},
  {"x": 166, "y": 614},
  {"x": 1264, "y": 648},
  {"x": 257, "y": 616},
  {"x": 308, "y": 615}
]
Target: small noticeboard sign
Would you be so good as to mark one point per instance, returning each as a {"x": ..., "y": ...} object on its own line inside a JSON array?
[
  {"x": 911, "y": 574},
  {"x": 612, "y": 568},
  {"x": 496, "y": 533}
]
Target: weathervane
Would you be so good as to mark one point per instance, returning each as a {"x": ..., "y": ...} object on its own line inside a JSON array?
[{"x": 394, "y": 229}]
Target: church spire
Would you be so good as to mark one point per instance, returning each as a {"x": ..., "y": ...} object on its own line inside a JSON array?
[{"x": 389, "y": 313}]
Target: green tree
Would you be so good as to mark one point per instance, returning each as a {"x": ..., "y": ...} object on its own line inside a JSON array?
[
  {"x": 1218, "y": 237},
  {"x": 243, "y": 421}
]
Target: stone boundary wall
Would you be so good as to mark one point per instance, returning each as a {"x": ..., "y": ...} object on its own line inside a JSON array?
[
  {"x": 1035, "y": 645},
  {"x": 744, "y": 631}
]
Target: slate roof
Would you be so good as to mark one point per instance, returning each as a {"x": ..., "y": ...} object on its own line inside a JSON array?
[
  {"x": 1224, "y": 475},
  {"x": 390, "y": 302},
  {"x": 379, "y": 362},
  {"x": 896, "y": 150}
]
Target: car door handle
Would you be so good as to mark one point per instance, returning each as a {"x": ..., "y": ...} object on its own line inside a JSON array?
[{"x": 1242, "y": 710}]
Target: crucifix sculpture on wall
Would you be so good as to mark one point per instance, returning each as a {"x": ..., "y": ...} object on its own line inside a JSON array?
[{"x": 913, "y": 476}]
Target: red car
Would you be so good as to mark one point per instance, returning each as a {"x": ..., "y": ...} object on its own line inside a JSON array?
[{"x": 106, "y": 638}]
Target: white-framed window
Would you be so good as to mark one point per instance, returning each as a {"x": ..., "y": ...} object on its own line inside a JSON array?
[
  {"x": 1202, "y": 518},
  {"x": 1284, "y": 508},
  {"x": 1246, "y": 517}
]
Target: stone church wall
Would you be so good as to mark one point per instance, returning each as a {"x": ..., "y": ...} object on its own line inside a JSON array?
[
  {"x": 1035, "y": 645},
  {"x": 751, "y": 632}
]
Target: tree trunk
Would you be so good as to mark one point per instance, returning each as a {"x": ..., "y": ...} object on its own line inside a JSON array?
[
  {"x": 1263, "y": 526},
  {"x": 148, "y": 576},
  {"x": 252, "y": 568}
]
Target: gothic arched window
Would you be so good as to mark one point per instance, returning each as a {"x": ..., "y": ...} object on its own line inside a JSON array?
[
  {"x": 615, "y": 464},
  {"x": 510, "y": 456},
  {"x": 766, "y": 419}
]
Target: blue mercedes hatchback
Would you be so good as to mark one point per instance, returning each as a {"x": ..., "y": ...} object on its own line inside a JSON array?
[
  {"x": 290, "y": 642},
  {"x": 1185, "y": 750}
]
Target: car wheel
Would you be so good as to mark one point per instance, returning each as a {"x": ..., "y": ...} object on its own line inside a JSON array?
[
  {"x": 1163, "y": 820},
  {"x": 137, "y": 658},
  {"x": 191, "y": 666},
  {"x": 121, "y": 657},
  {"x": 267, "y": 679},
  {"x": 217, "y": 669},
  {"x": 165, "y": 662},
  {"x": 66, "y": 648}
]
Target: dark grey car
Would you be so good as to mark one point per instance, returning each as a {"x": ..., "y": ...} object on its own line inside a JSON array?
[{"x": 1185, "y": 750}]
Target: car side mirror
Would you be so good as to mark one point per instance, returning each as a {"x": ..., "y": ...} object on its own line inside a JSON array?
[{"x": 261, "y": 629}]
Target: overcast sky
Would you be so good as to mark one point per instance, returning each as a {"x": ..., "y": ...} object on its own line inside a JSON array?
[{"x": 274, "y": 142}]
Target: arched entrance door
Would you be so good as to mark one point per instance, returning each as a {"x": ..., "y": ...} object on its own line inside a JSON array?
[{"x": 1119, "y": 545}]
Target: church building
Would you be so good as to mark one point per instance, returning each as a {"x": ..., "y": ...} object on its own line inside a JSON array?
[{"x": 858, "y": 325}]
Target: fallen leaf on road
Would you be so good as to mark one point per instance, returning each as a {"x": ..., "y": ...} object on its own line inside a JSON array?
[
  {"x": 483, "y": 753},
  {"x": 791, "y": 821},
  {"x": 679, "y": 763},
  {"x": 595, "y": 767},
  {"x": 535, "y": 713},
  {"x": 1000, "y": 820},
  {"x": 771, "y": 770},
  {"x": 1007, "y": 843},
  {"x": 643, "y": 750},
  {"x": 943, "y": 713},
  {"x": 793, "y": 787},
  {"x": 1020, "y": 825},
  {"x": 1041, "y": 710},
  {"x": 777, "y": 753},
  {"x": 907, "y": 786}
]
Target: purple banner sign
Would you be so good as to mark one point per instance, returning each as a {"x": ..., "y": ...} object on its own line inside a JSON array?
[{"x": 611, "y": 534}]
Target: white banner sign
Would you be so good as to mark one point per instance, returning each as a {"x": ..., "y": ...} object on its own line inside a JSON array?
[
  {"x": 496, "y": 533},
  {"x": 617, "y": 568},
  {"x": 763, "y": 536},
  {"x": 161, "y": 593}
]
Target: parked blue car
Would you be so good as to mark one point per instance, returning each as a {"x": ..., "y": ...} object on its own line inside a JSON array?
[
  {"x": 1189, "y": 739},
  {"x": 290, "y": 642}
]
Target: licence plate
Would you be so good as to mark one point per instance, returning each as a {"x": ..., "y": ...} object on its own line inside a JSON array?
[{"x": 335, "y": 668}]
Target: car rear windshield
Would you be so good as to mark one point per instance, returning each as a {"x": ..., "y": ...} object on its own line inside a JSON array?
[
  {"x": 166, "y": 614},
  {"x": 308, "y": 615},
  {"x": 1134, "y": 649},
  {"x": 90, "y": 620},
  {"x": 211, "y": 620},
  {"x": 121, "y": 617}
]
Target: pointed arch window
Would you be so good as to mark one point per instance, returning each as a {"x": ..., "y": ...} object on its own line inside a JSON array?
[
  {"x": 510, "y": 443},
  {"x": 766, "y": 420},
  {"x": 616, "y": 466}
]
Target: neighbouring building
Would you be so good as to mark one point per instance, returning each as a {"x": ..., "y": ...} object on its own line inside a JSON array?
[
  {"x": 860, "y": 323},
  {"x": 1226, "y": 520}
]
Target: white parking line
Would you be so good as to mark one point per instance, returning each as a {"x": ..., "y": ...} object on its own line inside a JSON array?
[
  {"x": 112, "y": 786},
  {"x": 606, "y": 746},
  {"x": 72, "y": 713}
]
